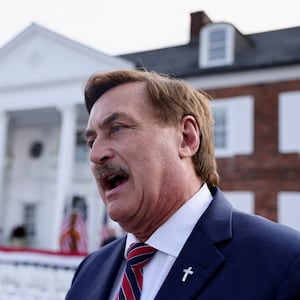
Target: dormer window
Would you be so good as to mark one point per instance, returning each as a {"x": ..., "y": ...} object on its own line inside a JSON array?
[{"x": 216, "y": 45}]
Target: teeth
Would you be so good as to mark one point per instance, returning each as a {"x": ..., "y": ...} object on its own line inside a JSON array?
[{"x": 111, "y": 177}]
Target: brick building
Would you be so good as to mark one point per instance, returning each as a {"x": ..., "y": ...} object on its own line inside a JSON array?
[{"x": 254, "y": 80}]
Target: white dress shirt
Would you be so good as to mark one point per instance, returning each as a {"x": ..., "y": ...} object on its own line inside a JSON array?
[{"x": 168, "y": 239}]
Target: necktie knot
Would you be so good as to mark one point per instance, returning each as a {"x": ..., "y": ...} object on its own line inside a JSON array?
[{"x": 139, "y": 254}]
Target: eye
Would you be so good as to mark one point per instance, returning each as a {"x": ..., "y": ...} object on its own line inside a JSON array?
[{"x": 116, "y": 128}]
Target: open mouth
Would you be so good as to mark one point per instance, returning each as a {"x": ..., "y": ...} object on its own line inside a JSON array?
[
  {"x": 112, "y": 181},
  {"x": 111, "y": 176}
]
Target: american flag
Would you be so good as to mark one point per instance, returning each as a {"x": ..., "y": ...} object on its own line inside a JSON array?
[{"x": 73, "y": 238}]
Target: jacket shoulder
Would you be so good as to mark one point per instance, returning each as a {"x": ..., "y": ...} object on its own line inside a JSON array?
[
  {"x": 97, "y": 258},
  {"x": 95, "y": 274},
  {"x": 260, "y": 228}
]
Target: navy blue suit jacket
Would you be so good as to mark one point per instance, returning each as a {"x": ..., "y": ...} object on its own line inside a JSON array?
[{"x": 234, "y": 256}]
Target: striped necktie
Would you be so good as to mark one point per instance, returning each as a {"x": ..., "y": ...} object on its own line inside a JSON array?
[{"x": 138, "y": 255}]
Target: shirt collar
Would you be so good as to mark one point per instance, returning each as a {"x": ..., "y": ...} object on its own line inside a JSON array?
[{"x": 172, "y": 235}]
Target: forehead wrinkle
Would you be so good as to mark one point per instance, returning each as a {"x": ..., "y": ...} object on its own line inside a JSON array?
[
  {"x": 108, "y": 120},
  {"x": 115, "y": 116}
]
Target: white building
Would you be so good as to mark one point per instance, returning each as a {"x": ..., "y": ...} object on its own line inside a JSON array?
[{"x": 43, "y": 162}]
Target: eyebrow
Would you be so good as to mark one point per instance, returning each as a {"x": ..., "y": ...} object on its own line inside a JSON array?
[
  {"x": 112, "y": 117},
  {"x": 106, "y": 122}
]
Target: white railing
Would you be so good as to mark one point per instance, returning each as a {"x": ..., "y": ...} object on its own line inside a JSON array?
[{"x": 35, "y": 275}]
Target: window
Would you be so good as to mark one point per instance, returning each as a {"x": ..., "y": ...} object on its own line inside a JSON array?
[
  {"x": 81, "y": 149},
  {"x": 289, "y": 209},
  {"x": 220, "y": 131},
  {"x": 29, "y": 220},
  {"x": 36, "y": 149},
  {"x": 241, "y": 200},
  {"x": 216, "y": 45},
  {"x": 233, "y": 125},
  {"x": 289, "y": 122}
]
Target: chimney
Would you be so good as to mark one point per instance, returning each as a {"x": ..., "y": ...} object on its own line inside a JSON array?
[{"x": 198, "y": 20}]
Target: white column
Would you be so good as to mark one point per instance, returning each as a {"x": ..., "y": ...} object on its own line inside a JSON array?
[
  {"x": 64, "y": 167},
  {"x": 3, "y": 142}
]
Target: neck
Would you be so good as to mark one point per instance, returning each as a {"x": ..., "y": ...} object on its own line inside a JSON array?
[{"x": 163, "y": 213}]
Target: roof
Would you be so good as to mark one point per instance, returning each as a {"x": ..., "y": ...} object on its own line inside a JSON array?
[
  {"x": 269, "y": 49},
  {"x": 40, "y": 56}
]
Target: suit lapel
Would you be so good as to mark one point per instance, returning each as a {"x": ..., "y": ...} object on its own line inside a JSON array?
[
  {"x": 200, "y": 253},
  {"x": 202, "y": 258},
  {"x": 108, "y": 273}
]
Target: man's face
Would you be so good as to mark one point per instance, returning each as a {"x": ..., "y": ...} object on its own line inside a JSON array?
[{"x": 133, "y": 158}]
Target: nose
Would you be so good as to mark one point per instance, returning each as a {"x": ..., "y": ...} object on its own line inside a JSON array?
[{"x": 100, "y": 152}]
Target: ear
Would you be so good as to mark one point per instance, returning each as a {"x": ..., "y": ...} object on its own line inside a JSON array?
[{"x": 190, "y": 139}]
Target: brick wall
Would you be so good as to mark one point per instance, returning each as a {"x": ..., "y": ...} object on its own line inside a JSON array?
[{"x": 266, "y": 171}]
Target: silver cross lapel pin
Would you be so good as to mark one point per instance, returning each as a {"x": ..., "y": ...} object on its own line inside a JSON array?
[{"x": 187, "y": 272}]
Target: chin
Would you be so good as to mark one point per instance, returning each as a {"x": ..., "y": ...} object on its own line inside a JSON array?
[{"x": 116, "y": 214}]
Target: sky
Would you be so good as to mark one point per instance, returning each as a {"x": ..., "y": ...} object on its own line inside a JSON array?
[{"x": 124, "y": 26}]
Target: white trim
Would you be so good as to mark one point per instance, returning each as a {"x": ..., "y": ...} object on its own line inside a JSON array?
[
  {"x": 246, "y": 77},
  {"x": 4, "y": 121},
  {"x": 289, "y": 122},
  {"x": 241, "y": 200},
  {"x": 64, "y": 168},
  {"x": 204, "y": 45},
  {"x": 47, "y": 95},
  {"x": 35, "y": 29},
  {"x": 289, "y": 209},
  {"x": 239, "y": 125}
]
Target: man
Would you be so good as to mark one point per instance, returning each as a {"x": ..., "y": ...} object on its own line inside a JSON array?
[{"x": 152, "y": 155}]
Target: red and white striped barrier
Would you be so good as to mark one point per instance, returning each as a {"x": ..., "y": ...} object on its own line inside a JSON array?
[{"x": 29, "y": 274}]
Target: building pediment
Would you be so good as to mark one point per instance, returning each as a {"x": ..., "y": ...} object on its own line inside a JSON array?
[{"x": 38, "y": 55}]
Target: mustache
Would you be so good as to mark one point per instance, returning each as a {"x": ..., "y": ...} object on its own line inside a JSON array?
[{"x": 107, "y": 169}]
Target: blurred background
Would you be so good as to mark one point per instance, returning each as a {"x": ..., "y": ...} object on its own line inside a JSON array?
[{"x": 245, "y": 55}]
